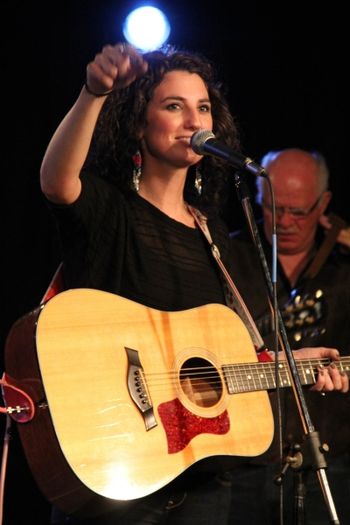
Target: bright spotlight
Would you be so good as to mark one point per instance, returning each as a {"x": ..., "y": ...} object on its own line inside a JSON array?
[{"x": 146, "y": 28}]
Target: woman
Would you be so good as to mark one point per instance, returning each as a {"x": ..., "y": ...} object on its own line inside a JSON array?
[{"x": 119, "y": 173}]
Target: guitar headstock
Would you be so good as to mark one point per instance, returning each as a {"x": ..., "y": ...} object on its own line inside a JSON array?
[
  {"x": 302, "y": 316},
  {"x": 303, "y": 313}
]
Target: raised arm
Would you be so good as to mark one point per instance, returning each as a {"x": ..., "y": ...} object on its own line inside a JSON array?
[{"x": 114, "y": 68}]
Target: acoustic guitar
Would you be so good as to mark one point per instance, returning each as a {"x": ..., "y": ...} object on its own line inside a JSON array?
[{"x": 126, "y": 397}]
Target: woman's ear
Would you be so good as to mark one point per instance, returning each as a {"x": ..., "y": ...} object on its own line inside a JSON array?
[{"x": 140, "y": 134}]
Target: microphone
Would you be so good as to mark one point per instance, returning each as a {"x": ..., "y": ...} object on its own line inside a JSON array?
[{"x": 204, "y": 142}]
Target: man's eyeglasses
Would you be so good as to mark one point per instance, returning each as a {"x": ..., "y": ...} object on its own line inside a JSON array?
[{"x": 296, "y": 213}]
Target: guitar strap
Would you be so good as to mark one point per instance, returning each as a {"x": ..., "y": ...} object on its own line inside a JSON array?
[
  {"x": 232, "y": 296},
  {"x": 326, "y": 247},
  {"x": 56, "y": 285}
]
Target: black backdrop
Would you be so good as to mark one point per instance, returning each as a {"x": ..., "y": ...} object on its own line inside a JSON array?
[{"x": 284, "y": 67}]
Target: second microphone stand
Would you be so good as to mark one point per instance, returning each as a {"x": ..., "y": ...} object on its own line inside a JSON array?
[{"x": 312, "y": 438}]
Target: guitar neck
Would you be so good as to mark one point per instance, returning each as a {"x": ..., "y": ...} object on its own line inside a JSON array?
[{"x": 249, "y": 377}]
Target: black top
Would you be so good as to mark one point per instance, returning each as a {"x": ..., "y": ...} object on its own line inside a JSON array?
[{"x": 125, "y": 245}]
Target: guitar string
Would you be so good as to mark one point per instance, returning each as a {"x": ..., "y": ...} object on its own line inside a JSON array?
[
  {"x": 255, "y": 368},
  {"x": 247, "y": 373}
]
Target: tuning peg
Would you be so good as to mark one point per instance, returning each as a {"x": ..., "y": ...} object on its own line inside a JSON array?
[
  {"x": 310, "y": 302},
  {"x": 310, "y": 319}
]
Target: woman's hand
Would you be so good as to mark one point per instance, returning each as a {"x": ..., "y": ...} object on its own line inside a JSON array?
[
  {"x": 329, "y": 378},
  {"x": 114, "y": 68}
]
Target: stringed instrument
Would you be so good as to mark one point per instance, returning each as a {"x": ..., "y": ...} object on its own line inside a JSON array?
[
  {"x": 304, "y": 312},
  {"x": 303, "y": 315},
  {"x": 125, "y": 397}
]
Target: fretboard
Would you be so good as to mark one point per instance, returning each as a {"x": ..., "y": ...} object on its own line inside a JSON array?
[{"x": 249, "y": 377}]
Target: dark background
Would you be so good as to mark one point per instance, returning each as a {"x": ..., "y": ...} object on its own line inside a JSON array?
[{"x": 284, "y": 66}]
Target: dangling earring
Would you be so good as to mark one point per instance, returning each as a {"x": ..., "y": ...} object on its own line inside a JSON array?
[
  {"x": 137, "y": 170},
  {"x": 198, "y": 181}
]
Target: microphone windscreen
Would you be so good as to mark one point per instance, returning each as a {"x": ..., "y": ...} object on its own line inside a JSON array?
[{"x": 199, "y": 138}]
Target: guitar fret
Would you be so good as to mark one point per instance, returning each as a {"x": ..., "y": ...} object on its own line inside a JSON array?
[
  {"x": 284, "y": 379},
  {"x": 239, "y": 383},
  {"x": 280, "y": 374},
  {"x": 271, "y": 370},
  {"x": 243, "y": 386},
  {"x": 246, "y": 378},
  {"x": 230, "y": 377},
  {"x": 302, "y": 375},
  {"x": 256, "y": 387},
  {"x": 255, "y": 376},
  {"x": 259, "y": 376},
  {"x": 264, "y": 383},
  {"x": 309, "y": 374},
  {"x": 344, "y": 365},
  {"x": 240, "y": 371}
]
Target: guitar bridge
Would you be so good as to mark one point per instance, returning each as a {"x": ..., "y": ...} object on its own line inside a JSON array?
[{"x": 138, "y": 389}]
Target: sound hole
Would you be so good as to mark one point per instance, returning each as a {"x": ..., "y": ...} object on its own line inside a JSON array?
[{"x": 200, "y": 382}]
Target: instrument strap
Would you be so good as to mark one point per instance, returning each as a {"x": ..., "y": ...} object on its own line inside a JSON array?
[
  {"x": 326, "y": 247},
  {"x": 232, "y": 296}
]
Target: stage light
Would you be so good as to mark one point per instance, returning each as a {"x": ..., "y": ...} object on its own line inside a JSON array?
[{"x": 147, "y": 28}]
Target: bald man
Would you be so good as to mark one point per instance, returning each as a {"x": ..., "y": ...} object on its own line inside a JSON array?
[{"x": 315, "y": 306}]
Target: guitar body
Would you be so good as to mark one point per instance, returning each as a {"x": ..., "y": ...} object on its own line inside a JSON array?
[{"x": 124, "y": 404}]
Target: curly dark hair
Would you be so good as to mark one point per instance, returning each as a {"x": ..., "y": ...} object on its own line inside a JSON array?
[{"x": 115, "y": 138}]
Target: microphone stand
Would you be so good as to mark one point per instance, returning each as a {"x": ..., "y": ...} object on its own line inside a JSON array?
[{"x": 312, "y": 438}]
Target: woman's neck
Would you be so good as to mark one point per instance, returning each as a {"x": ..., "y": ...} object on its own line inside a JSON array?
[{"x": 167, "y": 195}]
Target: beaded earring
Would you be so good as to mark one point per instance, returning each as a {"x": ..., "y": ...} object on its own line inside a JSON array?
[
  {"x": 198, "y": 181},
  {"x": 137, "y": 170}
]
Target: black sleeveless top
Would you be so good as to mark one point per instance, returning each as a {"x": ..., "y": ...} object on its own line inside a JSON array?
[{"x": 125, "y": 245}]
